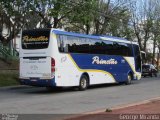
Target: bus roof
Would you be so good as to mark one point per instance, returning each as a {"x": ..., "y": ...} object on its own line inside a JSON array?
[
  {"x": 75, "y": 34},
  {"x": 118, "y": 38},
  {"x": 103, "y": 37}
]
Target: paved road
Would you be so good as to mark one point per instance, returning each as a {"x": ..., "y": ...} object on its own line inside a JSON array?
[{"x": 32, "y": 100}]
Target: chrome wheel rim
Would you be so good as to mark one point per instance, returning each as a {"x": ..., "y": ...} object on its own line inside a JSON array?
[
  {"x": 129, "y": 78},
  {"x": 83, "y": 83}
]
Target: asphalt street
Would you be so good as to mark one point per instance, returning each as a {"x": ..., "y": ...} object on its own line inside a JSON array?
[{"x": 37, "y": 100}]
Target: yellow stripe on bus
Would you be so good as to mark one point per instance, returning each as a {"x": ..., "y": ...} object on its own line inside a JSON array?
[{"x": 132, "y": 67}]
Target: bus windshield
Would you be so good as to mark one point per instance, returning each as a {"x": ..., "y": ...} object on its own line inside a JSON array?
[{"x": 35, "y": 39}]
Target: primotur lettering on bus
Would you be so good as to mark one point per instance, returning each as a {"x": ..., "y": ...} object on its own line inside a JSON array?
[
  {"x": 96, "y": 60},
  {"x": 32, "y": 39}
]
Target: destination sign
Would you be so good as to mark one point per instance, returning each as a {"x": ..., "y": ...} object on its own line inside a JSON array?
[{"x": 35, "y": 39}]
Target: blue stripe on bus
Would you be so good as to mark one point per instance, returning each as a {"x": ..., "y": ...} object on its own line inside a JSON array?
[{"x": 119, "y": 70}]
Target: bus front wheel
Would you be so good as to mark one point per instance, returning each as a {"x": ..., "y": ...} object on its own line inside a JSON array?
[
  {"x": 129, "y": 79},
  {"x": 84, "y": 83}
]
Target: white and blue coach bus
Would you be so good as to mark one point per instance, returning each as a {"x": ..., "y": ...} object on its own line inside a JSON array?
[{"x": 50, "y": 57}]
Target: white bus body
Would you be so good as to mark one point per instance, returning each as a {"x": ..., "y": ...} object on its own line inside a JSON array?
[{"x": 45, "y": 61}]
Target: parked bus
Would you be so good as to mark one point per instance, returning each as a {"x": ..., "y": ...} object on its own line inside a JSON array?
[{"x": 54, "y": 58}]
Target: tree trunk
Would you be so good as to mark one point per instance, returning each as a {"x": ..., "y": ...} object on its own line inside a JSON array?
[
  {"x": 55, "y": 22},
  {"x": 158, "y": 57},
  {"x": 154, "y": 50},
  {"x": 87, "y": 28},
  {"x": 137, "y": 35},
  {"x": 96, "y": 27},
  {"x": 145, "y": 40},
  {"x": 139, "y": 41}
]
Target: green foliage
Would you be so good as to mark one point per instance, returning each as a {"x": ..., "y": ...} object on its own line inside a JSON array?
[
  {"x": 112, "y": 17},
  {"x": 79, "y": 15},
  {"x": 12, "y": 18},
  {"x": 134, "y": 20},
  {"x": 8, "y": 78},
  {"x": 82, "y": 16}
]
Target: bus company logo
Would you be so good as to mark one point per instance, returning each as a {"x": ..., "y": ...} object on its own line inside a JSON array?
[
  {"x": 97, "y": 60},
  {"x": 63, "y": 59},
  {"x": 34, "y": 39},
  {"x": 34, "y": 67}
]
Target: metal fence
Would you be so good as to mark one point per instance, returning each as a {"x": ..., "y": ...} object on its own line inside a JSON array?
[{"x": 8, "y": 53}]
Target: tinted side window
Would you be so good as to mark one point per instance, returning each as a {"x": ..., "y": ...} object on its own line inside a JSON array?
[
  {"x": 73, "y": 44},
  {"x": 81, "y": 45},
  {"x": 125, "y": 49},
  {"x": 115, "y": 48},
  {"x": 108, "y": 47},
  {"x": 96, "y": 47},
  {"x": 92, "y": 46},
  {"x": 62, "y": 43}
]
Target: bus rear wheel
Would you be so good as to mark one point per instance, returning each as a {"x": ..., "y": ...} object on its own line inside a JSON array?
[
  {"x": 129, "y": 79},
  {"x": 84, "y": 83}
]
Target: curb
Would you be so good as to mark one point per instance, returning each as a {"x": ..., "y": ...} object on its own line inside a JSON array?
[
  {"x": 135, "y": 104},
  {"x": 112, "y": 108},
  {"x": 123, "y": 106},
  {"x": 12, "y": 86}
]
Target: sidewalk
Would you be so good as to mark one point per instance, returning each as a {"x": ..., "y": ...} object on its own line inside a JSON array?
[{"x": 145, "y": 110}]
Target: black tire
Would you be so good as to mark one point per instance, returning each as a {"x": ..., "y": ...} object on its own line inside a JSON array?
[
  {"x": 129, "y": 79},
  {"x": 151, "y": 74},
  {"x": 155, "y": 74},
  {"x": 84, "y": 83}
]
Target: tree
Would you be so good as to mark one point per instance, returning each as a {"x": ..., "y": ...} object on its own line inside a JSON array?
[
  {"x": 112, "y": 18},
  {"x": 51, "y": 12},
  {"x": 143, "y": 20},
  {"x": 100, "y": 17},
  {"x": 156, "y": 29},
  {"x": 82, "y": 16},
  {"x": 12, "y": 18}
]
